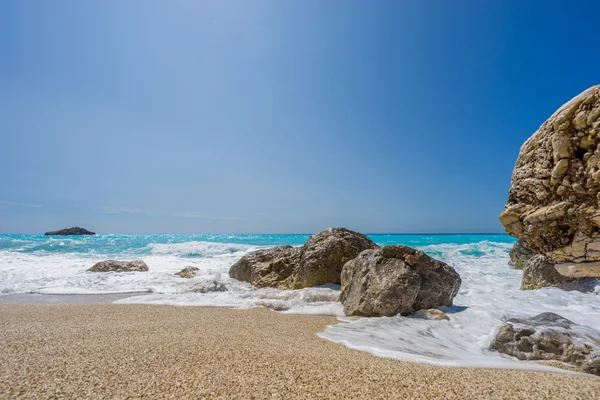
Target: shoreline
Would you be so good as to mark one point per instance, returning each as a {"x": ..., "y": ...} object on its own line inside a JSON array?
[{"x": 115, "y": 350}]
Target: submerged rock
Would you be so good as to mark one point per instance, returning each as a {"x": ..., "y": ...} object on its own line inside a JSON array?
[
  {"x": 396, "y": 280},
  {"x": 273, "y": 267},
  {"x": 209, "y": 287},
  {"x": 70, "y": 231},
  {"x": 188, "y": 272},
  {"x": 539, "y": 273},
  {"x": 432, "y": 313},
  {"x": 119, "y": 266},
  {"x": 325, "y": 254},
  {"x": 519, "y": 254},
  {"x": 549, "y": 336},
  {"x": 553, "y": 199},
  {"x": 318, "y": 262}
]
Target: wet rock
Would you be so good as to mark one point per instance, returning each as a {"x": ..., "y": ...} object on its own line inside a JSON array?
[
  {"x": 188, "y": 272},
  {"x": 549, "y": 336},
  {"x": 539, "y": 273},
  {"x": 519, "y": 254},
  {"x": 325, "y": 254},
  {"x": 553, "y": 203},
  {"x": 273, "y": 267},
  {"x": 70, "y": 231},
  {"x": 208, "y": 287},
  {"x": 396, "y": 280},
  {"x": 119, "y": 266},
  {"x": 433, "y": 314}
]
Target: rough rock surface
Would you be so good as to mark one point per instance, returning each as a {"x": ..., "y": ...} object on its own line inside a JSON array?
[
  {"x": 188, "y": 272},
  {"x": 325, "y": 254},
  {"x": 519, "y": 254},
  {"x": 119, "y": 266},
  {"x": 209, "y": 287},
  {"x": 70, "y": 231},
  {"x": 549, "y": 336},
  {"x": 396, "y": 280},
  {"x": 539, "y": 272},
  {"x": 269, "y": 267},
  {"x": 318, "y": 262},
  {"x": 553, "y": 204}
]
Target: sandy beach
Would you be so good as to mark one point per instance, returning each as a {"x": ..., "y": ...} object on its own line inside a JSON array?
[{"x": 135, "y": 351}]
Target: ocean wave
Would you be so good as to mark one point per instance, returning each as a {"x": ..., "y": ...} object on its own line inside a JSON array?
[{"x": 199, "y": 249}]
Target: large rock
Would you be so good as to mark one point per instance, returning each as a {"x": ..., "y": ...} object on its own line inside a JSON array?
[
  {"x": 273, "y": 267},
  {"x": 325, "y": 254},
  {"x": 553, "y": 202},
  {"x": 519, "y": 255},
  {"x": 70, "y": 231},
  {"x": 549, "y": 336},
  {"x": 539, "y": 273},
  {"x": 318, "y": 262},
  {"x": 119, "y": 266},
  {"x": 396, "y": 280}
]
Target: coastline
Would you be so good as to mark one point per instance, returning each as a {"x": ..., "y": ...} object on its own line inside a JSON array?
[{"x": 112, "y": 350}]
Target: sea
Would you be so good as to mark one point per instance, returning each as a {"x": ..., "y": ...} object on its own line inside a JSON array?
[{"x": 43, "y": 267}]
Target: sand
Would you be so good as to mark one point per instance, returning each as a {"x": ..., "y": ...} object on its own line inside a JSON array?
[{"x": 135, "y": 351}]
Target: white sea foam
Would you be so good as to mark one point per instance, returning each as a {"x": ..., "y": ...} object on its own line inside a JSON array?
[{"x": 489, "y": 295}]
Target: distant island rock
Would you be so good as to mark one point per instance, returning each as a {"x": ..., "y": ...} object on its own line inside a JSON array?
[
  {"x": 70, "y": 231},
  {"x": 552, "y": 205}
]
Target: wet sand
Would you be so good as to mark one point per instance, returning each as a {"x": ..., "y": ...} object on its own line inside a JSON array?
[{"x": 134, "y": 351}]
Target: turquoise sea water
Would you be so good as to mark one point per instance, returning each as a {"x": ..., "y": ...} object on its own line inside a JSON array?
[
  {"x": 142, "y": 244},
  {"x": 489, "y": 294}
]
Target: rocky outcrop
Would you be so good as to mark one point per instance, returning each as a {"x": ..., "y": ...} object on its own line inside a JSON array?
[
  {"x": 539, "y": 273},
  {"x": 70, "y": 231},
  {"x": 273, "y": 267},
  {"x": 519, "y": 254},
  {"x": 119, "y": 266},
  {"x": 318, "y": 262},
  {"x": 553, "y": 203},
  {"x": 188, "y": 272},
  {"x": 549, "y": 336},
  {"x": 325, "y": 254},
  {"x": 396, "y": 280}
]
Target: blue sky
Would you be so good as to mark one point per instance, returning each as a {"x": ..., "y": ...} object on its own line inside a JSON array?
[{"x": 277, "y": 116}]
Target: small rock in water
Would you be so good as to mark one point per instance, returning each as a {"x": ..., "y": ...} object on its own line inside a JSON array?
[
  {"x": 188, "y": 272},
  {"x": 549, "y": 336},
  {"x": 209, "y": 287},
  {"x": 119, "y": 266},
  {"x": 432, "y": 313}
]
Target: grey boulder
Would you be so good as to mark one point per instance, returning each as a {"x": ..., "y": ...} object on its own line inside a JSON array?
[
  {"x": 70, "y": 232},
  {"x": 325, "y": 254},
  {"x": 119, "y": 266},
  {"x": 269, "y": 267},
  {"x": 395, "y": 280},
  {"x": 549, "y": 336}
]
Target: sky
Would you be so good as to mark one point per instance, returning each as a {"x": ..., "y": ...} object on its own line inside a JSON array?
[{"x": 272, "y": 116}]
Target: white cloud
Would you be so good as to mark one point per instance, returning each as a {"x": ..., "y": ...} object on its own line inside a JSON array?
[
  {"x": 121, "y": 210},
  {"x": 15, "y": 204}
]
